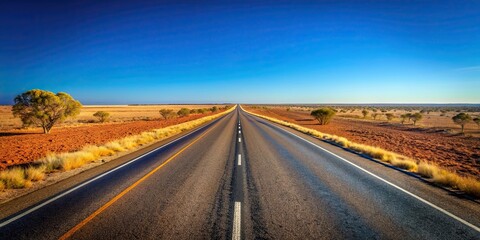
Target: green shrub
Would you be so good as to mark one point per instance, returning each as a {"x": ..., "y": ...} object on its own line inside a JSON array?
[
  {"x": 102, "y": 116},
  {"x": 184, "y": 112},
  {"x": 323, "y": 115}
]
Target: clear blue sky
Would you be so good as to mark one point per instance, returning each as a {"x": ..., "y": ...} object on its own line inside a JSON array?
[{"x": 117, "y": 52}]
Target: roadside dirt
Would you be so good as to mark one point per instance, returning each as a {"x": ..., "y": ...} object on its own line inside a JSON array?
[
  {"x": 25, "y": 146},
  {"x": 452, "y": 151}
]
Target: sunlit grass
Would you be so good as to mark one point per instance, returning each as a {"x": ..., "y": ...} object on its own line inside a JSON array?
[
  {"x": 437, "y": 174},
  {"x": 14, "y": 178},
  {"x": 35, "y": 173}
]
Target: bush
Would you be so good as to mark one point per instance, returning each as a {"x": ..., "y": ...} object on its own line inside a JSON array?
[
  {"x": 364, "y": 113},
  {"x": 167, "y": 113},
  {"x": 323, "y": 115},
  {"x": 389, "y": 116},
  {"x": 214, "y": 109},
  {"x": 477, "y": 121},
  {"x": 102, "y": 116},
  {"x": 184, "y": 112},
  {"x": 44, "y": 109}
]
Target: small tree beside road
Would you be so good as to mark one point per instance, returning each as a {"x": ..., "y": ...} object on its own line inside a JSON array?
[
  {"x": 323, "y": 115},
  {"x": 44, "y": 108},
  {"x": 462, "y": 119}
]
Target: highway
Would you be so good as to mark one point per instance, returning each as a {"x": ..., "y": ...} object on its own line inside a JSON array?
[{"x": 242, "y": 177}]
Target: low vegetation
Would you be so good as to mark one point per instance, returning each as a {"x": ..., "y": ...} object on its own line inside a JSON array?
[
  {"x": 44, "y": 109},
  {"x": 477, "y": 121},
  {"x": 389, "y": 116},
  {"x": 365, "y": 113},
  {"x": 167, "y": 113},
  {"x": 416, "y": 117},
  {"x": 20, "y": 177},
  {"x": 102, "y": 116},
  {"x": 437, "y": 175},
  {"x": 462, "y": 119},
  {"x": 323, "y": 115},
  {"x": 184, "y": 112}
]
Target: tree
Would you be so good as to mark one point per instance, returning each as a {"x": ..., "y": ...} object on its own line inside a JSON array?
[
  {"x": 44, "y": 109},
  {"x": 323, "y": 115},
  {"x": 389, "y": 116},
  {"x": 416, "y": 117},
  {"x": 365, "y": 113},
  {"x": 477, "y": 121},
  {"x": 462, "y": 119},
  {"x": 167, "y": 113},
  {"x": 375, "y": 115},
  {"x": 102, "y": 116},
  {"x": 404, "y": 117},
  {"x": 184, "y": 112}
]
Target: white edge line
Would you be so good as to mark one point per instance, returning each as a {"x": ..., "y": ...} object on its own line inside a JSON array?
[
  {"x": 237, "y": 220},
  {"x": 92, "y": 180},
  {"x": 387, "y": 182}
]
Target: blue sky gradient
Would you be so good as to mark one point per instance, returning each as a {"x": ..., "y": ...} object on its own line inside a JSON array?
[{"x": 120, "y": 52}]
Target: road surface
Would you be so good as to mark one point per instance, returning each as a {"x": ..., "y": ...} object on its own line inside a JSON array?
[{"x": 242, "y": 177}]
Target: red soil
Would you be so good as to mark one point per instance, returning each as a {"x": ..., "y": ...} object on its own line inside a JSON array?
[
  {"x": 19, "y": 147},
  {"x": 454, "y": 152}
]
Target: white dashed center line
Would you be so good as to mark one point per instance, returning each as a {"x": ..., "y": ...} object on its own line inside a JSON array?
[{"x": 237, "y": 221}]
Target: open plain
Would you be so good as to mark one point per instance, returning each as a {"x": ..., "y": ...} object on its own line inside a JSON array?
[
  {"x": 436, "y": 141},
  {"x": 21, "y": 146}
]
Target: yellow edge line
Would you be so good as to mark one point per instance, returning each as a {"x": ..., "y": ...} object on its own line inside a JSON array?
[{"x": 120, "y": 195}]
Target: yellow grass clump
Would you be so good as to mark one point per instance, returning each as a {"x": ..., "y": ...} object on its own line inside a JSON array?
[
  {"x": 35, "y": 174},
  {"x": 14, "y": 178},
  {"x": 437, "y": 174},
  {"x": 426, "y": 170},
  {"x": 23, "y": 177}
]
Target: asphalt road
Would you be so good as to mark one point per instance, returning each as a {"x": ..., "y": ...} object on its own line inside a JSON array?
[{"x": 242, "y": 177}]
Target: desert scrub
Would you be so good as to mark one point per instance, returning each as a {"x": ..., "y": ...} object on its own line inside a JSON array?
[
  {"x": 18, "y": 177},
  {"x": 433, "y": 172},
  {"x": 14, "y": 178}
]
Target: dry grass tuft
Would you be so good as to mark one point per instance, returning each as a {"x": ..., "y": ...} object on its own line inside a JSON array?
[
  {"x": 115, "y": 146},
  {"x": 2, "y": 185},
  {"x": 407, "y": 164},
  {"x": 438, "y": 175},
  {"x": 470, "y": 186},
  {"x": 426, "y": 170},
  {"x": 35, "y": 174},
  {"x": 74, "y": 160},
  {"x": 13, "y": 178}
]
